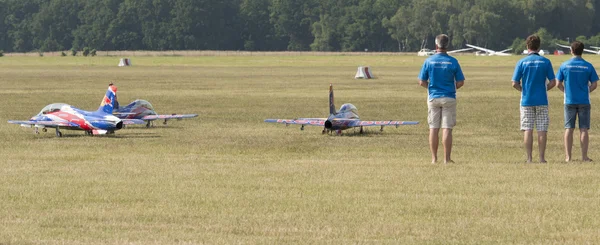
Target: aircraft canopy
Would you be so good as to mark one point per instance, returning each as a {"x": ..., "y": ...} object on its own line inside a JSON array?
[
  {"x": 145, "y": 104},
  {"x": 52, "y": 108},
  {"x": 348, "y": 108}
]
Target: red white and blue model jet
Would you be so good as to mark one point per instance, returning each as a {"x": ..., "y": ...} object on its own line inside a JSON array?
[
  {"x": 63, "y": 116},
  {"x": 143, "y": 110},
  {"x": 347, "y": 117}
]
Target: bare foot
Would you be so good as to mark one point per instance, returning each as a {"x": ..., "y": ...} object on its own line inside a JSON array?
[
  {"x": 528, "y": 161},
  {"x": 568, "y": 159},
  {"x": 449, "y": 161},
  {"x": 543, "y": 161},
  {"x": 587, "y": 159},
  {"x": 434, "y": 160}
]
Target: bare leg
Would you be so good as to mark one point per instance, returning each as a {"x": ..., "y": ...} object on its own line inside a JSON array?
[
  {"x": 447, "y": 142},
  {"x": 585, "y": 140},
  {"x": 528, "y": 141},
  {"x": 568, "y": 143},
  {"x": 542, "y": 139},
  {"x": 433, "y": 143}
]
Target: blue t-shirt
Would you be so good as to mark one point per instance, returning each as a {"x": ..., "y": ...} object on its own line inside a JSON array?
[
  {"x": 442, "y": 71},
  {"x": 534, "y": 70},
  {"x": 577, "y": 73}
]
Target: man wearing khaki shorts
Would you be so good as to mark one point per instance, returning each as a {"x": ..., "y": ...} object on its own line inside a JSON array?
[
  {"x": 442, "y": 76},
  {"x": 533, "y": 70}
]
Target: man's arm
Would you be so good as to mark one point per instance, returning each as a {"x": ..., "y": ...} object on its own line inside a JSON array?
[
  {"x": 423, "y": 83},
  {"x": 561, "y": 86},
  {"x": 593, "y": 86},
  {"x": 459, "y": 84},
  {"x": 551, "y": 84},
  {"x": 517, "y": 86}
]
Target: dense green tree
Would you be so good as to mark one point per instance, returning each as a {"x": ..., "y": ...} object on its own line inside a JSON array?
[
  {"x": 293, "y": 21},
  {"x": 320, "y": 25},
  {"x": 96, "y": 17}
]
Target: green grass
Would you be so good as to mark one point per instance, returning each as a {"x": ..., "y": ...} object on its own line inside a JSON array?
[{"x": 227, "y": 177}]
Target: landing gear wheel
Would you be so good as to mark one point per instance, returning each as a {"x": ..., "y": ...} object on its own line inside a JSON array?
[
  {"x": 44, "y": 130},
  {"x": 165, "y": 122},
  {"x": 361, "y": 130},
  {"x": 58, "y": 134},
  {"x": 148, "y": 124}
]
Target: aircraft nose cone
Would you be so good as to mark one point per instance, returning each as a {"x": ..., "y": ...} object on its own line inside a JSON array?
[
  {"x": 328, "y": 124},
  {"x": 119, "y": 125}
]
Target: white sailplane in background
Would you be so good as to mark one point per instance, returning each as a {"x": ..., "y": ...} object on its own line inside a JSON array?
[
  {"x": 597, "y": 51},
  {"x": 489, "y": 52},
  {"x": 428, "y": 52}
]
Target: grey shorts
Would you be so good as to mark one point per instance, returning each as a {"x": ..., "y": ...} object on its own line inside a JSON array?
[
  {"x": 535, "y": 117},
  {"x": 441, "y": 113},
  {"x": 573, "y": 111}
]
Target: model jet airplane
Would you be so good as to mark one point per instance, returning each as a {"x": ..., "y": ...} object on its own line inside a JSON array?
[
  {"x": 586, "y": 50},
  {"x": 63, "y": 116},
  {"x": 489, "y": 52},
  {"x": 347, "y": 117},
  {"x": 143, "y": 110}
]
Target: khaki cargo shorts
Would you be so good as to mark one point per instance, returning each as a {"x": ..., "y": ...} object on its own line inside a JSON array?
[{"x": 441, "y": 113}]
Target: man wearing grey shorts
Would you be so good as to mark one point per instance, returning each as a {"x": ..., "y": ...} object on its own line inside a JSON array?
[
  {"x": 534, "y": 70},
  {"x": 442, "y": 76},
  {"x": 577, "y": 78}
]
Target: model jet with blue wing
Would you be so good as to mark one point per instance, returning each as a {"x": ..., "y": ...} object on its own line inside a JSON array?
[
  {"x": 347, "y": 117},
  {"x": 63, "y": 116},
  {"x": 143, "y": 110}
]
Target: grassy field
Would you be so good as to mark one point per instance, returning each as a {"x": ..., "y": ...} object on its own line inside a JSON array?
[{"x": 227, "y": 177}]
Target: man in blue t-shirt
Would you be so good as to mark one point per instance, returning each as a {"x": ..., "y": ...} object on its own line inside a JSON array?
[
  {"x": 580, "y": 79},
  {"x": 533, "y": 70},
  {"x": 442, "y": 76}
]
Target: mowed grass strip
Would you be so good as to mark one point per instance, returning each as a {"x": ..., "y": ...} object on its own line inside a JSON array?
[{"x": 228, "y": 177}]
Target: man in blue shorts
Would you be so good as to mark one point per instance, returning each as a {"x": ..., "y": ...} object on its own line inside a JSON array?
[
  {"x": 577, "y": 78},
  {"x": 442, "y": 76},
  {"x": 534, "y": 70}
]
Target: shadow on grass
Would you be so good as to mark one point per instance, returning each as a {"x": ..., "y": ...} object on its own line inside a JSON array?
[
  {"x": 372, "y": 133},
  {"x": 110, "y": 136},
  {"x": 155, "y": 127}
]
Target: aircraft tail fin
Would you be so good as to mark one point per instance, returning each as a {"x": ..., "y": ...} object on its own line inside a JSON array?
[
  {"x": 109, "y": 101},
  {"x": 331, "y": 104}
]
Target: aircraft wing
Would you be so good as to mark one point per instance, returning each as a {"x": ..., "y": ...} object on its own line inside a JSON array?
[
  {"x": 459, "y": 50},
  {"x": 174, "y": 116},
  {"x": 592, "y": 51},
  {"x": 480, "y": 48},
  {"x": 132, "y": 121},
  {"x": 358, "y": 123},
  {"x": 503, "y": 51},
  {"x": 310, "y": 122},
  {"x": 50, "y": 124},
  {"x": 562, "y": 46}
]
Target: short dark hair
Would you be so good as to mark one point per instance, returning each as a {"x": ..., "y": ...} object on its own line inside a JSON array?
[
  {"x": 442, "y": 41},
  {"x": 533, "y": 42},
  {"x": 577, "y": 48}
]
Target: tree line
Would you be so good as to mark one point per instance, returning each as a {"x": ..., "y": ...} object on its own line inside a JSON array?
[{"x": 299, "y": 25}]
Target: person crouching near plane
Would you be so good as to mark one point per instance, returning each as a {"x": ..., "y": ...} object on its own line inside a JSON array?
[
  {"x": 442, "y": 76},
  {"x": 534, "y": 70},
  {"x": 577, "y": 78}
]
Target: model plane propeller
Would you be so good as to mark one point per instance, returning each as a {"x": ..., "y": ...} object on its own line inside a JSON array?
[{"x": 347, "y": 117}]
